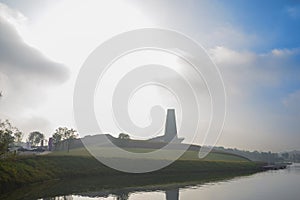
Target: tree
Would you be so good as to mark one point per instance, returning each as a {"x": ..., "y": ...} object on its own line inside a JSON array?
[
  {"x": 6, "y": 125},
  {"x": 63, "y": 133},
  {"x": 6, "y": 139},
  {"x": 57, "y": 136},
  {"x": 18, "y": 135},
  {"x": 35, "y": 137},
  {"x": 7, "y": 135},
  {"x": 124, "y": 136}
]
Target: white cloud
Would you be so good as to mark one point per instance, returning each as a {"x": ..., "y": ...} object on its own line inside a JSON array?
[
  {"x": 12, "y": 16},
  {"x": 25, "y": 72},
  {"x": 228, "y": 36},
  {"x": 250, "y": 78},
  {"x": 285, "y": 52},
  {"x": 225, "y": 56},
  {"x": 249, "y": 68},
  {"x": 66, "y": 31},
  {"x": 19, "y": 60}
]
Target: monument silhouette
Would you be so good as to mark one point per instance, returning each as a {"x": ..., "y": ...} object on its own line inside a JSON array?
[{"x": 170, "y": 135}]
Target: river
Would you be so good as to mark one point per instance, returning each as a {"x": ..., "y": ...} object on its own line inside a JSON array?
[{"x": 270, "y": 185}]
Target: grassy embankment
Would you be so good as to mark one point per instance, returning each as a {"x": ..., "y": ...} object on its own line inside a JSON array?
[
  {"x": 78, "y": 163},
  {"x": 188, "y": 155}
]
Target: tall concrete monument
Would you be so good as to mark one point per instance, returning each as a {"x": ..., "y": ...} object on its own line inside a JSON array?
[
  {"x": 170, "y": 130},
  {"x": 170, "y": 126}
]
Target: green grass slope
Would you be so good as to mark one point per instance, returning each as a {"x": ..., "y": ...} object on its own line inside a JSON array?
[
  {"x": 26, "y": 170},
  {"x": 188, "y": 155}
]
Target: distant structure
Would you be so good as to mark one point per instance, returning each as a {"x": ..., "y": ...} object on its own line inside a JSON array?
[
  {"x": 170, "y": 130},
  {"x": 28, "y": 145},
  {"x": 50, "y": 144}
]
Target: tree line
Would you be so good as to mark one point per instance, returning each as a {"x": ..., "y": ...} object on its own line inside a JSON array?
[{"x": 10, "y": 135}]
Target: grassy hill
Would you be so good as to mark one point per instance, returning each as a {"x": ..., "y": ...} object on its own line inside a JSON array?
[
  {"x": 188, "y": 155},
  {"x": 107, "y": 149},
  {"x": 78, "y": 163}
]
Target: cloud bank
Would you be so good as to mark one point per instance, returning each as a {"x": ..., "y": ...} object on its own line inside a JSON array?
[
  {"x": 25, "y": 72},
  {"x": 261, "y": 100},
  {"x": 19, "y": 59}
]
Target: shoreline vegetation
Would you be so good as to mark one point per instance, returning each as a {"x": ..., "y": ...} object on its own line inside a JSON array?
[{"x": 20, "y": 171}]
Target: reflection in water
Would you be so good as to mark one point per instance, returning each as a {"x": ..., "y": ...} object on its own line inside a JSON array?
[
  {"x": 172, "y": 194},
  {"x": 270, "y": 185},
  {"x": 69, "y": 197},
  {"x": 118, "y": 187},
  {"x": 123, "y": 196}
]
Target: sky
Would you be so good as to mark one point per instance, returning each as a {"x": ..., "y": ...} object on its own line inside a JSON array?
[{"x": 255, "y": 44}]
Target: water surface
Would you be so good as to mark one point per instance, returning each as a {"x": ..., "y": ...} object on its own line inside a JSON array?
[{"x": 269, "y": 185}]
